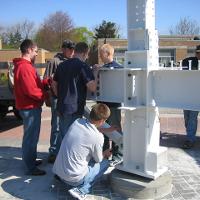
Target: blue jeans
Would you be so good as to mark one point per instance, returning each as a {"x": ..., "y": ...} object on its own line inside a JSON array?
[
  {"x": 55, "y": 132},
  {"x": 96, "y": 170},
  {"x": 191, "y": 122},
  {"x": 31, "y": 121},
  {"x": 65, "y": 122}
]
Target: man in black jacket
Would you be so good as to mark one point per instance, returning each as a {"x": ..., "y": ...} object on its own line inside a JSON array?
[
  {"x": 191, "y": 117},
  {"x": 55, "y": 139}
]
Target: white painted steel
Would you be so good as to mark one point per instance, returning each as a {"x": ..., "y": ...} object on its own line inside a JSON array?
[
  {"x": 143, "y": 87},
  {"x": 176, "y": 89}
]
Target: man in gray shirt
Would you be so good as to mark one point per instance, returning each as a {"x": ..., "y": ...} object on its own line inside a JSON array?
[
  {"x": 81, "y": 160},
  {"x": 55, "y": 137}
]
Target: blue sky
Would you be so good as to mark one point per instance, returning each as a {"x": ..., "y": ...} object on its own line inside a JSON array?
[{"x": 90, "y": 13}]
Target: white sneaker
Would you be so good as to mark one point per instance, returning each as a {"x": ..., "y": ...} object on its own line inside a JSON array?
[
  {"x": 116, "y": 160},
  {"x": 76, "y": 193}
]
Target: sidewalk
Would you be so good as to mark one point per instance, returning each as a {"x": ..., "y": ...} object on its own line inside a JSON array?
[{"x": 184, "y": 165}]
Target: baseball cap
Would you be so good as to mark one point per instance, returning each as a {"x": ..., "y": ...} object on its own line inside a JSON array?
[
  {"x": 198, "y": 49},
  {"x": 68, "y": 44}
]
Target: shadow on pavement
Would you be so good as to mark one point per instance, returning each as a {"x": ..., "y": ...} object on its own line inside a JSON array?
[
  {"x": 15, "y": 183},
  {"x": 176, "y": 141},
  {"x": 9, "y": 122},
  {"x": 172, "y": 140}
]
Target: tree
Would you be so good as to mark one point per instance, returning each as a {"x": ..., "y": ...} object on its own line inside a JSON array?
[
  {"x": 82, "y": 34},
  {"x": 185, "y": 26},
  {"x": 27, "y": 29},
  {"x": 56, "y": 28},
  {"x": 15, "y": 40},
  {"x": 106, "y": 30},
  {"x": 1, "y": 28},
  {"x": 12, "y": 36}
]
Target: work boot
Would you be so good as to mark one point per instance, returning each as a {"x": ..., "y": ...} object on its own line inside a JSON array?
[{"x": 37, "y": 172}]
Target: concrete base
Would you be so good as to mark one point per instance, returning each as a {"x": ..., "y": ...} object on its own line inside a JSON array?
[{"x": 137, "y": 187}]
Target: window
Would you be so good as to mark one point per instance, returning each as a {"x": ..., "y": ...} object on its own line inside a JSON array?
[{"x": 166, "y": 56}]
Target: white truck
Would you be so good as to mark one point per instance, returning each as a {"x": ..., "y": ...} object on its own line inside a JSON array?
[{"x": 7, "y": 100}]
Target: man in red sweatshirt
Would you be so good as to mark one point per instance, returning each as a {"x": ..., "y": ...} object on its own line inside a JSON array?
[{"x": 29, "y": 98}]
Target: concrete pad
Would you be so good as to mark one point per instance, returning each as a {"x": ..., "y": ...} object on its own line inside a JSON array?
[{"x": 137, "y": 187}]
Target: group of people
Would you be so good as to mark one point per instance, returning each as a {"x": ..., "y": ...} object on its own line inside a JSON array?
[
  {"x": 77, "y": 146},
  {"x": 78, "y": 149}
]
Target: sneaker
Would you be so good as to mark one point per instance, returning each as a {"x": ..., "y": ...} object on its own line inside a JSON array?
[
  {"x": 76, "y": 193},
  {"x": 117, "y": 159},
  {"x": 37, "y": 172},
  {"x": 188, "y": 144},
  {"x": 51, "y": 159}
]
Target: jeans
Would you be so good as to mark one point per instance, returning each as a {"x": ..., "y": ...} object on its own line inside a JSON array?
[
  {"x": 191, "y": 122},
  {"x": 65, "y": 122},
  {"x": 31, "y": 121},
  {"x": 95, "y": 171},
  {"x": 55, "y": 138}
]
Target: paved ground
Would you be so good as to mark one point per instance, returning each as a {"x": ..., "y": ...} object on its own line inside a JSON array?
[{"x": 183, "y": 165}]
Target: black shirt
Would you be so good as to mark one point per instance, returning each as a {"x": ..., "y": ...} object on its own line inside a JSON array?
[
  {"x": 72, "y": 76},
  {"x": 194, "y": 66}
]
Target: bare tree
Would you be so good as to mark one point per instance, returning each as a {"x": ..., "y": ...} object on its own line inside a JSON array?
[
  {"x": 13, "y": 35},
  {"x": 56, "y": 28},
  {"x": 185, "y": 26},
  {"x": 27, "y": 29}
]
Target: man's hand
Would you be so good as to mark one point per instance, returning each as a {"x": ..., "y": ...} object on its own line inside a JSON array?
[
  {"x": 113, "y": 128},
  {"x": 107, "y": 153},
  {"x": 110, "y": 129},
  {"x": 96, "y": 67}
]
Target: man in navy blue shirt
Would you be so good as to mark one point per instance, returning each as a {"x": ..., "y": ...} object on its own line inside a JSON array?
[{"x": 72, "y": 79}]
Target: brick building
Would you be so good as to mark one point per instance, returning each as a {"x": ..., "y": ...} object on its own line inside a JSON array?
[
  {"x": 173, "y": 48},
  {"x": 41, "y": 59},
  {"x": 170, "y": 48}
]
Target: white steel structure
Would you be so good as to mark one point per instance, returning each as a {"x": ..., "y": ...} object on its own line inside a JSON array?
[{"x": 143, "y": 87}]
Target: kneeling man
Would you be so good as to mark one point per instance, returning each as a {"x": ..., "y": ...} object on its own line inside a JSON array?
[{"x": 81, "y": 160}]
